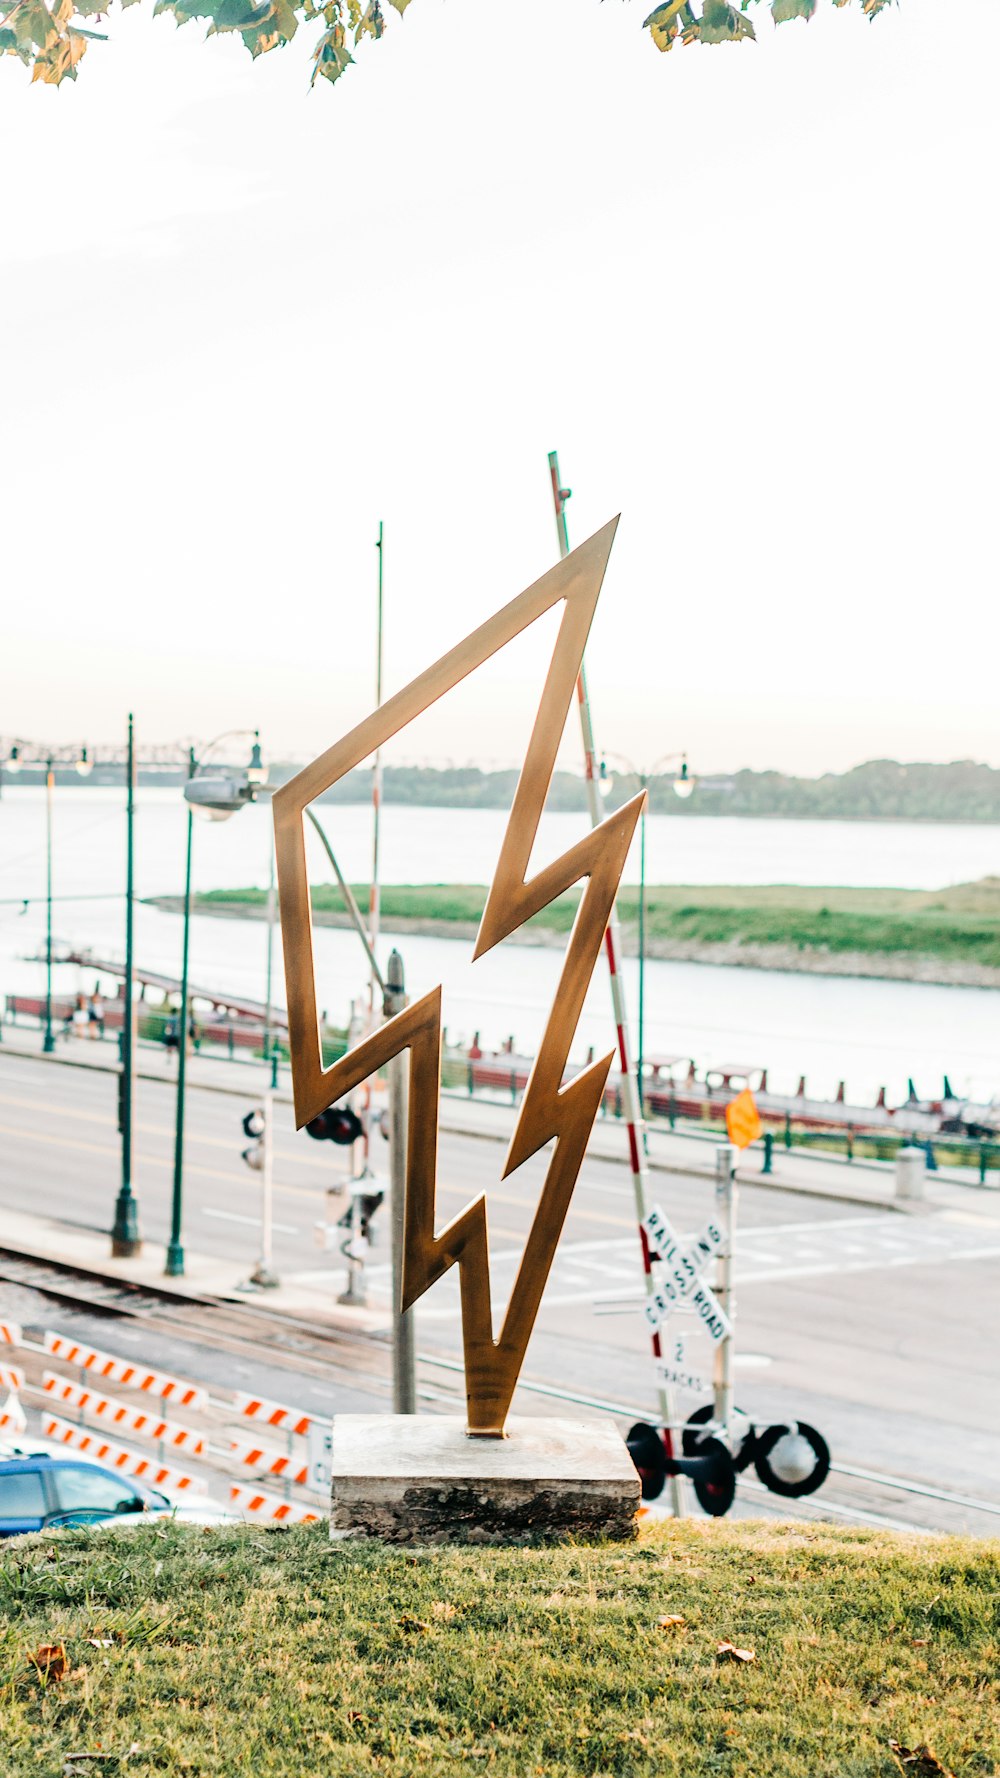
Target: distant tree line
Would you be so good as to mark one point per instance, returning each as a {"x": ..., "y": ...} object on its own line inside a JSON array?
[{"x": 882, "y": 789}]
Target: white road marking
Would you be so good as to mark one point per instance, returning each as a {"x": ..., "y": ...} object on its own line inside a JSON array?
[
  {"x": 605, "y": 1274},
  {"x": 280, "y": 1228}
]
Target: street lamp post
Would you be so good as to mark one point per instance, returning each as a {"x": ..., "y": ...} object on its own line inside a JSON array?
[
  {"x": 218, "y": 798},
  {"x": 15, "y": 760},
  {"x": 126, "y": 1241},
  {"x": 270, "y": 1041},
  {"x": 48, "y": 1042},
  {"x": 175, "y": 1252},
  {"x": 683, "y": 786}
]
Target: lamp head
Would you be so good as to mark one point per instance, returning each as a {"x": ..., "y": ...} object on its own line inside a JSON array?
[
  {"x": 683, "y": 784},
  {"x": 256, "y": 770},
  {"x": 215, "y": 799},
  {"x": 14, "y": 760},
  {"x": 84, "y": 765},
  {"x": 605, "y": 780}
]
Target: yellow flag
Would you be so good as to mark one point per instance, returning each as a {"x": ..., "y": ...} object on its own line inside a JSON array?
[{"x": 743, "y": 1120}]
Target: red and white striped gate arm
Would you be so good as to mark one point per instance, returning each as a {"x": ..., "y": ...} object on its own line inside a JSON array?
[
  {"x": 11, "y": 1421},
  {"x": 613, "y": 948},
  {"x": 10, "y": 1333},
  {"x": 270, "y": 1461},
  {"x": 123, "y": 1415},
  {"x": 122, "y": 1370},
  {"x": 268, "y": 1506},
  {"x": 11, "y": 1378},
  {"x": 272, "y": 1413},
  {"x": 94, "y": 1444}
]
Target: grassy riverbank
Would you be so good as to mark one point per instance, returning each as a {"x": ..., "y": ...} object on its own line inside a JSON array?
[
  {"x": 243, "y": 1650},
  {"x": 945, "y": 935}
]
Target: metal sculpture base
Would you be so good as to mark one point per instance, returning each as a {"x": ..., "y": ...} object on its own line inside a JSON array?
[{"x": 422, "y": 1479}]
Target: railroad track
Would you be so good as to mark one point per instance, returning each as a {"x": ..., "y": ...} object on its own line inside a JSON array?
[{"x": 355, "y": 1360}]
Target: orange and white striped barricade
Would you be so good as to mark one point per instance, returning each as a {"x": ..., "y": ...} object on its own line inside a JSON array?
[
  {"x": 11, "y": 1377},
  {"x": 278, "y": 1418},
  {"x": 266, "y": 1460},
  {"x": 123, "y": 1415},
  {"x": 175, "y": 1390},
  {"x": 272, "y": 1413},
  {"x": 12, "y": 1416},
  {"x": 102, "y": 1450},
  {"x": 258, "y": 1505},
  {"x": 10, "y": 1333}
]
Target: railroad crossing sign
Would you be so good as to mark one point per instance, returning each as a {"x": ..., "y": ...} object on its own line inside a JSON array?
[
  {"x": 672, "y": 1371},
  {"x": 680, "y": 1284}
]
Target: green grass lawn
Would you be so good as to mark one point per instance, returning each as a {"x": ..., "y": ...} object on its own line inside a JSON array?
[
  {"x": 278, "y": 1653},
  {"x": 955, "y": 925}
]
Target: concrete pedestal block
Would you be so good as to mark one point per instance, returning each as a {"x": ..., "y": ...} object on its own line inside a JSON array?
[{"x": 422, "y": 1479}]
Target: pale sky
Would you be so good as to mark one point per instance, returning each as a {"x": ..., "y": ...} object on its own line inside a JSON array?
[{"x": 749, "y": 294}]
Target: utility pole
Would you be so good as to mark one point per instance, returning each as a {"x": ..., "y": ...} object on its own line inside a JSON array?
[
  {"x": 126, "y": 1241},
  {"x": 175, "y": 1252},
  {"x": 270, "y": 1042},
  {"x": 375, "y": 898},
  {"x": 48, "y": 1042},
  {"x": 404, "y": 1381},
  {"x": 264, "y": 1275},
  {"x": 613, "y": 948}
]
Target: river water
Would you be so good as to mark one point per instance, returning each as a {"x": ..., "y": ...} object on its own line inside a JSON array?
[{"x": 870, "y": 1033}]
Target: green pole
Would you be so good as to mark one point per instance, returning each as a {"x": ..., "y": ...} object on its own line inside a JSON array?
[
  {"x": 642, "y": 952},
  {"x": 175, "y": 1253},
  {"x": 48, "y": 1042},
  {"x": 126, "y": 1241}
]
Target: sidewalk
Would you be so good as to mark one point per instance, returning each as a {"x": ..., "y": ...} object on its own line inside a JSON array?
[
  {"x": 687, "y": 1152},
  {"x": 309, "y": 1296}
]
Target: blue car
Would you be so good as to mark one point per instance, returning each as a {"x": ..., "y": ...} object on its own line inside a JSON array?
[
  {"x": 38, "y": 1492},
  {"x": 42, "y": 1488}
]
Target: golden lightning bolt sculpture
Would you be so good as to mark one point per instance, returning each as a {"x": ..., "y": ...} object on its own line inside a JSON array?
[{"x": 549, "y": 1109}]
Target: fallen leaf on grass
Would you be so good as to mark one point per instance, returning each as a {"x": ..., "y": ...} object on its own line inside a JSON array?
[
  {"x": 443, "y": 1610},
  {"x": 415, "y": 1625},
  {"x": 727, "y": 1651},
  {"x": 49, "y": 1660},
  {"x": 673, "y": 1621},
  {"x": 919, "y": 1762},
  {"x": 95, "y": 1642}
]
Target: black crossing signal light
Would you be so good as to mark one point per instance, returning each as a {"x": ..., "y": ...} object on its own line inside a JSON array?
[
  {"x": 792, "y": 1460},
  {"x": 647, "y": 1451},
  {"x": 253, "y": 1126},
  {"x": 711, "y": 1469},
  {"x": 336, "y": 1124}
]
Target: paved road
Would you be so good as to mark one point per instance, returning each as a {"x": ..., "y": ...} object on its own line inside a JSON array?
[{"x": 880, "y": 1329}]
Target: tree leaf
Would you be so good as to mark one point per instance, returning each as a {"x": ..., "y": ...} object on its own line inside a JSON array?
[
  {"x": 664, "y": 23},
  {"x": 49, "y": 1661},
  {"x": 370, "y": 24},
  {"x": 331, "y": 56},
  {"x": 783, "y": 10},
  {"x": 721, "y": 23}
]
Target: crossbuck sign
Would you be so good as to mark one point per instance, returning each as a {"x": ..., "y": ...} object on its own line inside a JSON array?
[{"x": 680, "y": 1281}]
